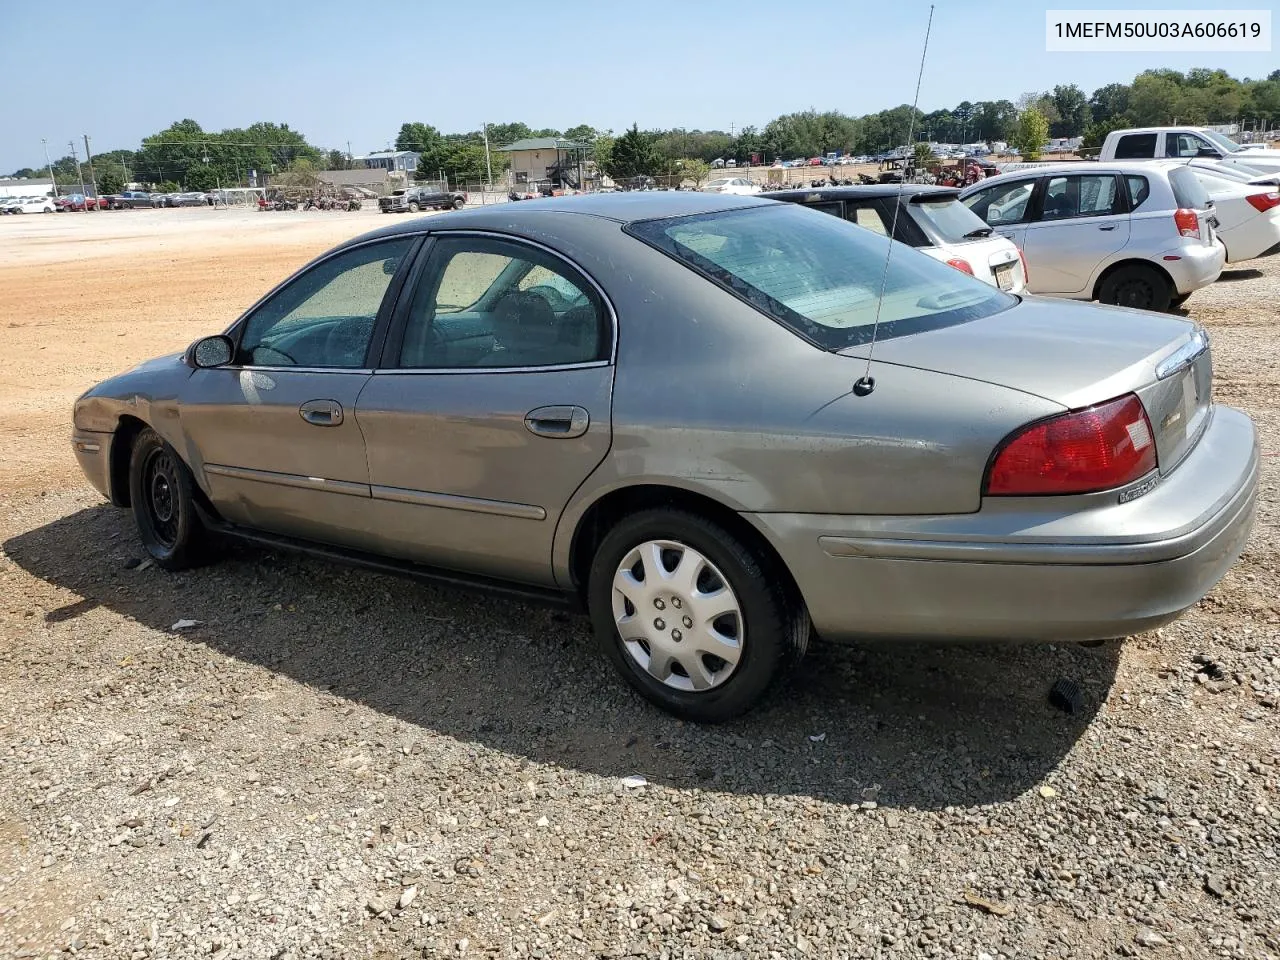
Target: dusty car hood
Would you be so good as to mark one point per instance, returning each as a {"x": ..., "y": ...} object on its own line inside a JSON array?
[{"x": 1074, "y": 354}]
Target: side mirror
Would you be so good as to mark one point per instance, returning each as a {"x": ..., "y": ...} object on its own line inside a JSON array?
[
  {"x": 1208, "y": 153},
  {"x": 215, "y": 351}
]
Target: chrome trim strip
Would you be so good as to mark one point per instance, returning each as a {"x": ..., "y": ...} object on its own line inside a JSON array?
[
  {"x": 289, "y": 480},
  {"x": 549, "y": 368},
  {"x": 449, "y": 501},
  {"x": 1184, "y": 356},
  {"x": 348, "y": 370}
]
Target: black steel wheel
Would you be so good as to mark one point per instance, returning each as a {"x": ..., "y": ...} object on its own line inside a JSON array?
[
  {"x": 1134, "y": 285},
  {"x": 161, "y": 490}
]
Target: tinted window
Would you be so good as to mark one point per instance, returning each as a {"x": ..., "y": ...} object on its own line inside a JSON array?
[
  {"x": 1136, "y": 146},
  {"x": 868, "y": 216},
  {"x": 950, "y": 219},
  {"x": 836, "y": 209},
  {"x": 1091, "y": 195},
  {"x": 821, "y": 276},
  {"x": 1187, "y": 190},
  {"x": 496, "y": 303},
  {"x": 325, "y": 318},
  {"x": 1003, "y": 203},
  {"x": 1139, "y": 190}
]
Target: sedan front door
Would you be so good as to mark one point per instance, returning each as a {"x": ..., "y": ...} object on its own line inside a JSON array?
[
  {"x": 1082, "y": 224},
  {"x": 273, "y": 435},
  {"x": 492, "y": 409}
]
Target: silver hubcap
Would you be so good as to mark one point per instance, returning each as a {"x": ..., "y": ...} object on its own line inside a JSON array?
[{"x": 677, "y": 615}]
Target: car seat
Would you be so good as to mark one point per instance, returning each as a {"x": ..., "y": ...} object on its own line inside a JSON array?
[{"x": 525, "y": 327}]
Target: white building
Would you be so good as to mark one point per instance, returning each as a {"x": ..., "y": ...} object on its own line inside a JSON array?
[{"x": 25, "y": 188}]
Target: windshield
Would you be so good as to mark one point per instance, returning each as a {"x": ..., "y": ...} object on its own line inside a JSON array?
[
  {"x": 1226, "y": 143},
  {"x": 820, "y": 275},
  {"x": 950, "y": 219}
]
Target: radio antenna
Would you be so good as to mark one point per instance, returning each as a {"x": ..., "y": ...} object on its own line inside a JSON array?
[{"x": 866, "y": 383}]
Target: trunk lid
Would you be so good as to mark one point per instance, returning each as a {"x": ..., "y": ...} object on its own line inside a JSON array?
[{"x": 1076, "y": 355}]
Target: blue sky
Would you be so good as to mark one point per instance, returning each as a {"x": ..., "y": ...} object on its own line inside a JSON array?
[{"x": 342, "y": 71}]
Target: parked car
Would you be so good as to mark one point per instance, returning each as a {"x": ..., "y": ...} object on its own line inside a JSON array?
[
  {"x": 1133, "y": 234},
  {"x": 931, "y": 219},
  {"x": 33, "y": 205},
  {"x": 645, "y": 404},
  {"x": 739, "y": 186},
  {"x": 131, "y": 200},
  {"x": 1185, "y": 143},
  {"x": 188, "y": 199},
  {"x": 428, "y": 197},
  {"x": 1246, "y": 203}
]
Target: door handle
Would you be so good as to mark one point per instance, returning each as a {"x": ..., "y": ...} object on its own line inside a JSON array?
[
  {"x": 560, "y": 422},
  {"x": 1106, "y": 226},
  {"x": 321, "y": 413}
]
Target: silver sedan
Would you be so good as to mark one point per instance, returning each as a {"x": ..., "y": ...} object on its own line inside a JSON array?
[{"x": 719, "y": 424}]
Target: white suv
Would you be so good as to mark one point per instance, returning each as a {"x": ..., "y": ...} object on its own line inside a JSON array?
[{"x": 1138, "y": 234}]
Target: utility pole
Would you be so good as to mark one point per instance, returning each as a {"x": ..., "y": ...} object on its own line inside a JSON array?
[
  {"x": 88, "y": 158},
  {"x": 487, "y": 165},
  {"x": 349, "y": 160},
  {"x": 49, "y": 164},
  {"x": 79, "y": 172}
]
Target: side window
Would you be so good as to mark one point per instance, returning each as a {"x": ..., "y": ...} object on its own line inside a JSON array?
[
  {"x": 836, "y": 209},
  {"x": 869, "y": 217},
  {"x": 325, "y": 318},
  {"x": 496, "y": 303},
  {"x": 1002, "y": 204},
  {"x": 1184, "y": 145},
  {"x": 1136, "y": 146},
  {"x": 1139, "y": 190},
  {"x": 1091, "y": 195}
]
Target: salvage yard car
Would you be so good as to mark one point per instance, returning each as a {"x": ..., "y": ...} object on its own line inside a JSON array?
[
  {"x": 1130, "y": 234},
  {"x": 414, "y": 199},
  {"x": 657, "y": 406}
]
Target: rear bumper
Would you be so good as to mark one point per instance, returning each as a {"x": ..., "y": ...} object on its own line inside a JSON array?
[
  {"x": 93, "y": 453},
  {"x": 1198, "y": 265},
  {"x": 1029, "y": 569}
]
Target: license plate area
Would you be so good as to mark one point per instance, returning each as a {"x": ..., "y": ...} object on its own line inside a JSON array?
[{"x": 1004, "y": 276}]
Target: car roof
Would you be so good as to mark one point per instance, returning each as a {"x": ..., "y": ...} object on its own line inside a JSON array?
[
  {"x": 866, "y": 192},
  {"x": 1077, "y": 166}
]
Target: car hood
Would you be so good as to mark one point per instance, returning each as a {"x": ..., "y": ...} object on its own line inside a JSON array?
[{"x": 1070, "y": 353}]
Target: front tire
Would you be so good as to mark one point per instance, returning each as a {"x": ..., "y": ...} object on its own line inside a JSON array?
[
  {"x": 459, "y": 203},
  {"x": 414, "y": 208},
  {"x": 699, "y": 622},
  {"x": 1145, "y": 288},
  {"x": 162, "y": 492}
]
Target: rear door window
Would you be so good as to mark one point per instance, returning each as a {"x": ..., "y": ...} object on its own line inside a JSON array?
[
  {"x": 868, "y": 215},
  {"x": 1136, "y": 146},
  {"x": 1089, "y": 195}
]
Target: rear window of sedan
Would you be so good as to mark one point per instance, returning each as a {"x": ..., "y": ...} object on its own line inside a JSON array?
[
  {"x": 950, "y": 219},
  {"x": 822, "y": 276}
]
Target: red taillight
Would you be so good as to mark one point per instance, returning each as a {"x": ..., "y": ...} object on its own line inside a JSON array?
[
  {"x": 961, "y": 265},
  {"x": 1187, "y": 222},
  {"x": 1097, "y": 448},
  {"x": 1262, "y": 202},
  {"x": 1026, "y": 273}
]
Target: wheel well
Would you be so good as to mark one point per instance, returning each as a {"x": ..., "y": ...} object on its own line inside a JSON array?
[
  {"x": 606, "y": 512},
  {"x": 127, "y": 431},
  {"x": 1102, "y": 278}
]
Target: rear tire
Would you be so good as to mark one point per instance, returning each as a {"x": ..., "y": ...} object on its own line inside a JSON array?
[
  {"x": 682, "y": 571},
  {"x": 162, "y": 492},
  {"x": 1135, "y": 285},
  {"x": 1179, "y": 300}
]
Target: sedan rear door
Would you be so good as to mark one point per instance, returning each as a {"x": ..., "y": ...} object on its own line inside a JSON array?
[{"x": 491, "y": 407}]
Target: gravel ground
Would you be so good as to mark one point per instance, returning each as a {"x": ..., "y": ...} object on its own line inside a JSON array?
[{"x": 333, "y": 763}]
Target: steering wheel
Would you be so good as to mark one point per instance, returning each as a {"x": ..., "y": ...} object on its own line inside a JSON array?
[{"x": 269, "y": 349}]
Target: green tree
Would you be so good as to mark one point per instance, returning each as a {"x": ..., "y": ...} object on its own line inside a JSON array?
[
  {"x": 1073, "y": 111},
  {"x": 582, "y": 133},
  {"x": 168, "y": 186},
  {"x": 633, "y": 155},
  {"x": 1109, "y": 101},
  {"x": 1030, "y": 134},
  {"x": 923, "y": 154},
  {"x": 1096, "y": 132},
  {"x": 504, "y": 134},
  {"x": 602, "y": 153},
  {"x": 697, "y": 171},
  {"x": 1152, "y": 99},
  {"x": 418, "y": 137},
  {"x": 110, "y": 182}
]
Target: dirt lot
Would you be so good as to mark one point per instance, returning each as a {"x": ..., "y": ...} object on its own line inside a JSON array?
[{"x": 339, "y": 764}]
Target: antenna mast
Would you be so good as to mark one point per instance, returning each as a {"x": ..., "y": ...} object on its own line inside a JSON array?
[{"x": 866, "y": 383}]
